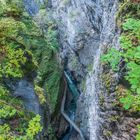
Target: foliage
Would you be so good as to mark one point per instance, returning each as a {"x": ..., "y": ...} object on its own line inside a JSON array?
[
  {"x": 3, "y": 92},
  {"x": 4, "y": 132},
  {"x": 7, "y": 112},
  {"x": 52, "y": 86},
  {"x": 49, "y": 73},
  {"x": 12, "y": 41},
  {"x": 112, "y": 58},
  {"x": 17, "y": 33},
  {"x": 129, "y": 57},
  {"x": 33, "y": 128},
  {"x": 127, "y": 101},
  {"x": 127, "y": 9},
  {"x": 52, "y": 41},
  {"x": 51, "y": 133},
  {"x": 40, "y": 92},
  {"x": 138, "y": 135},
  {"x": 24, "y": 48},
  {"x": 6, "y": 109},
  {"x": 11, "y": 63}
]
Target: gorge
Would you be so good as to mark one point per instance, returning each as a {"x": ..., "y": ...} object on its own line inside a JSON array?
[{"x": 64, "y": 72}]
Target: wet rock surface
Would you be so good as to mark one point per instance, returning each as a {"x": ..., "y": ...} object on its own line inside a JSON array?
[
  {"x": 87, "y": 29},
  {"x": 25, "y": 91}
]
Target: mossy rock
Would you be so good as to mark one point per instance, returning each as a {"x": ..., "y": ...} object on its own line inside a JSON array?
[
  {"x": 40, "y": 93},
  {"x": 107, "y": 133},
  {"x": 107, "y": 80}
]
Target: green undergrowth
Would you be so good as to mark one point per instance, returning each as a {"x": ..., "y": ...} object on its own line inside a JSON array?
[
  {"x": 16, "y": 123},
  {"x": 33, "y": 128},
  {"x": 16, "y": 61},
  {"x": 126, "y": 60},
  {"x": 49, "y": 72},
  {"x": 25, "y": 49}
]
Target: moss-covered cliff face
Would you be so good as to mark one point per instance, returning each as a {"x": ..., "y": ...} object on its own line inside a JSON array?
[
  {"x": 124, "y": 61},
  {"x": 14, "y": 64},
  {"x": 29, "y": 72},
  {"x": 40, "y": 39}
]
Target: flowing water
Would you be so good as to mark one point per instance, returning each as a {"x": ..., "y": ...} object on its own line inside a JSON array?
[
  {"x": 71, "y": 109},
  {"x": 86, "y": 29},
  {"x": 91, "y": 91}
]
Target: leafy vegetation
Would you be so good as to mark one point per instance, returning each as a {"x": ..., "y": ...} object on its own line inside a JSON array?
[
  {"x": 12, "y": 41},
  {"x": 49, "y": 72},
  {"x": 32, "y": 130},
  {"x": 9, "y": 111},
  {"x": 40, "y": 92},
  {"x": 25, "y": 48},
  {"x": 113, "y": 58},
  {"x": 20, "y": 38},
  {"x": 138, "y": 135},
  {"x": 128, "y": 60}
]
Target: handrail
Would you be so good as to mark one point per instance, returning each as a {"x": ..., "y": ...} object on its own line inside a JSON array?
[{"x": 67, "y": 117}]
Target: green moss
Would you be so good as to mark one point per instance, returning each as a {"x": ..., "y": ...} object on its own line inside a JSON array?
[
  {"x": 83, "y": 85},
  {"x": 101, "y": 100},
  {"x": 65, "y": 2},
  {"x": 114, "y": 118},
  {"x": 40, "y": 93},
  {"x": 90, "y": 67},
  {"x": 122, "y": 8},
  {"x": 107, "y": 133},
  {"x": 17, "y": 34},
  {"x": 73, "y": 14},
  {"x": 74, "y": 61},
  {"x": 51, "y": 133},
  {"x": 107, "y": 80}
]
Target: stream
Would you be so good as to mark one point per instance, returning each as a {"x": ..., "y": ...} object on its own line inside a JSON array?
[
  {"x": 69, "y": 112},
  {"x": 86, "y": 28}
]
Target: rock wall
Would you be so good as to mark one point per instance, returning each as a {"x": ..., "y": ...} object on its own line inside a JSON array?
[
  {"x": 87, "y": 28},
  {"x": 25, "y": 91}
]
